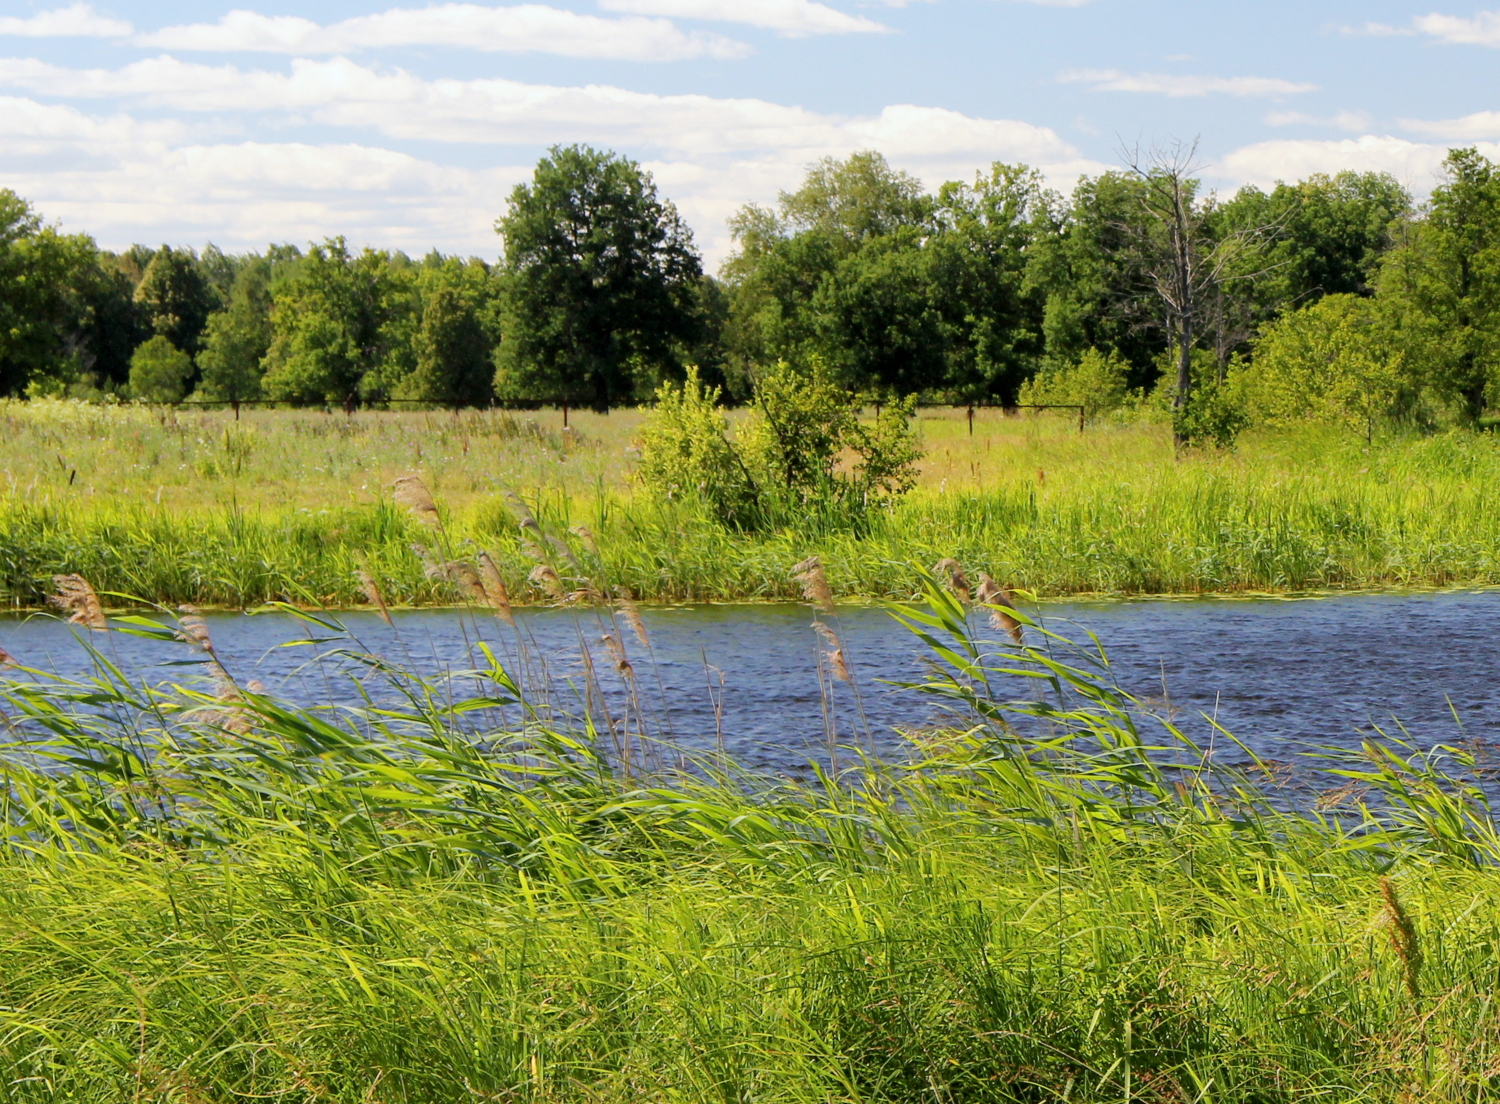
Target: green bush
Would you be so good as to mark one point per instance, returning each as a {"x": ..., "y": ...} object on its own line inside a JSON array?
[
  {"x": 1097, "y": 383},
  {"x": 802, "y": 455},
  {"x": 159, "y": 371}
]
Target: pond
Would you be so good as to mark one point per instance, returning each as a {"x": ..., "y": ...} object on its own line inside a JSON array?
[{"x": 1278, "y": 673}]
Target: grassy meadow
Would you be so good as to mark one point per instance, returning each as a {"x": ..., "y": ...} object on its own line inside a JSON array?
[
  {"x": 290, "y": 505},
  {"x": 224, "y": 898}
]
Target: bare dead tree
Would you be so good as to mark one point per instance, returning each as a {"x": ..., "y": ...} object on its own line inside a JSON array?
[{"x": 1185, "y": 265}]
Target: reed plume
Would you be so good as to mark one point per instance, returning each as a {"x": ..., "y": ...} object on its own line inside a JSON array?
[
  {"x": 7, "y": 660},
  {"x": 586, "y": 535},
  {"x": 616, "y": 649},
  {"x": 835, "y": 653},
  {"x": 521, "y": 511},
  {"x": 371, "y": 590},
  {"x": 953, "y": 575},
  {"x": 544, "y": 577},
  {"x": 76, "y": 597},
  {"x": 1403, "y": 936},
  {"x": 814, "y": 582},
  {"x": 995, "y": 596},
  {"x": 465, "y": 579},
  {"x": 494, "y": 589},
  {"x": 632, "y": 614},
  {"x": 411, "y": 492},
  {"x": 560, "y": 546}
]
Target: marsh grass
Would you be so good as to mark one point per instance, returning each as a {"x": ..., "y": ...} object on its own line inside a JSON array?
[
  {"x": 212, "y": 897},
  {"x": 1028, "y": 501}
]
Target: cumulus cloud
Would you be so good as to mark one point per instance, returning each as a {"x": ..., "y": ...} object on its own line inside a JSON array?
[
  {"x": 74, "y": 21},
  {"x": 523, "y": 28},
  {"x": 790, "y": 18},
  {"x": 710, "y": 154},
  {"x": 1352, "y": 121},
  {"x": 1415, "y": 164},
  {"x": 1483, "y": 29},
  {"x": 1479, "y": 126},
  {"x": 1170, "y": 84}
]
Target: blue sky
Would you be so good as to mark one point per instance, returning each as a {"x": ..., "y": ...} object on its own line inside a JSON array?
[{"x": 406, "y": 126}]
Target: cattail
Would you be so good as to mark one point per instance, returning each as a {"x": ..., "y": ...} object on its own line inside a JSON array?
[
  {"x": 1403, "y": 935},
  {"x": 632, "y": 614},
  {"x": 616, "y": 650},
  {"x": 814, "y": 583},
  {"x": 994, "y": 595},
  {"x": 76, "y": 597},
  {"x": 585, "y": 534},
  {"x": 411, "y": 492},
  {"x": 543, "y": 576},
  {"x": 371, "y": 590},
  {"x": 954, "y": 576},
  {"x": 494, "y": 589},
  {"x": 835, "y": 651}
]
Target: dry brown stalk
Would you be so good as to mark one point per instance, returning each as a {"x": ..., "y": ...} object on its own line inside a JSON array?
[
  {"x": 543, "y": 576},
  {"x": 1403, "y": 936},
  {"x": 76, "y": 597},
  {"x": 953, "y": 575},
  {"x": 995, "y": 596},
  {"x": 836, "y": 660},
  {"x": 632, "y": 614},
  {"x": 814, "y": 582},
  {"x": 411, "y": 492},
  {"x": 371, "y": 590},
  {"x": 494, "y": 589}
]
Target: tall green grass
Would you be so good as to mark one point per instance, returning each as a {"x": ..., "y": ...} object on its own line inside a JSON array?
[
  {"x": 209, "y": 896},
  {"x": 1423, "y": 512}
]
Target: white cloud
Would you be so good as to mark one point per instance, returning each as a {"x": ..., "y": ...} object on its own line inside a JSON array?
[
  {"x": 1415, "y": 164},
  {"x": 711, "y": 155},
  {"x": 1352, "y": 121},
  {"x": 1470, "y": 128},
  {"x": 1378, "y": 30},
  {"x": 1169, "y": 84},
  {"x": 523, "y": 28},
  {"x": 1482, "y": 30},
  {"x": 74, "y": 21},
  {"x": 790, "y": 18}
]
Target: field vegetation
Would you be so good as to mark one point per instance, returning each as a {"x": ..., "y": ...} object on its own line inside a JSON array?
[
  {"x": 443, "y": 895},
  {"x": 199, "y": 507}
]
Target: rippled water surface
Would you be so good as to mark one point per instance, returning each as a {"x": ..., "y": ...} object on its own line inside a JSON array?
[{"x": 1274, "y": 672}]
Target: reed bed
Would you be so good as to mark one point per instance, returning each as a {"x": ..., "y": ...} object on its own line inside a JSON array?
[{"x": 210, "y": 896}]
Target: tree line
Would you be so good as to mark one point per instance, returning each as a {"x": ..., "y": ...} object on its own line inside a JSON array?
[{"x": 990, "y": 290}]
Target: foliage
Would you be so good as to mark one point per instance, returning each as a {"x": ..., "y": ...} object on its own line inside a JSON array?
[
  {"x": 453, "y": 345},
  {"x": 802, "y": 451},
  {"x": 1335, "y": 360},
  {"x": 175, "y": 299},
  {"x": 601, "y": 282},
  {"x": 1097, "y": 383},
  {"x": 213, "y": 894},
  {"x": 236, "y": 339},
  {"x": 1214, "y": 414},
  {"x": 159, "y": 371}
]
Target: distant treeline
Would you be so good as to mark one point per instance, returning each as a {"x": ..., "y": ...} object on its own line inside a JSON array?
[{"x": 971, "y": 293}]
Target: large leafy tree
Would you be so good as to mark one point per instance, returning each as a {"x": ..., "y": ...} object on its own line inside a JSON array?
[
  {"x": 1442, "y": 283},
  {"x": 175, "y": 297},
  {"x": 237, "y": 338},
  {"x": 600, "y": 287},
  {"x": 454, "y": 341}
]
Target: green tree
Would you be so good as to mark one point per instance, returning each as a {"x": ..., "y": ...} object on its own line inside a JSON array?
[
  {"x": 175, "y": 299},
  {"x": 159, "y": 371},
  {"x": 327, "y": 315},
  {"x": 600, "y": 288},
  {"x": 1334, "y": 361},
  {"x": 454, "y": 354},
  {"x": 236, "y": 339},
  {"x": 1443, "y": 282}
]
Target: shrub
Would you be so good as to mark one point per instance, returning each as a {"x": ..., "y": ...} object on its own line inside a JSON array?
[
  {"x": 159, "y": 371},
  {"x": 802, "y": 454},
  {"x": 1096, "y": 383}
]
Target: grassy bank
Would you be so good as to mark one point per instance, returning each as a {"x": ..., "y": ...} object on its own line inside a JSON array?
[
  {"x": 226, "y": 899},
  {"x": 1028, "y": 500}
]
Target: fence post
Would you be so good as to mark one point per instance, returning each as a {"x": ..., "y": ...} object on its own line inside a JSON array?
[
  {"x": 565, "y": 415},
  {"x": 236, "y": 403},
  {"x": 971, "y": 419},
  {"x": 1080, "y": 418}
]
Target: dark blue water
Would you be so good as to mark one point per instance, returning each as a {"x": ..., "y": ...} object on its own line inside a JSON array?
[{"x": 1279, "y": 674}]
